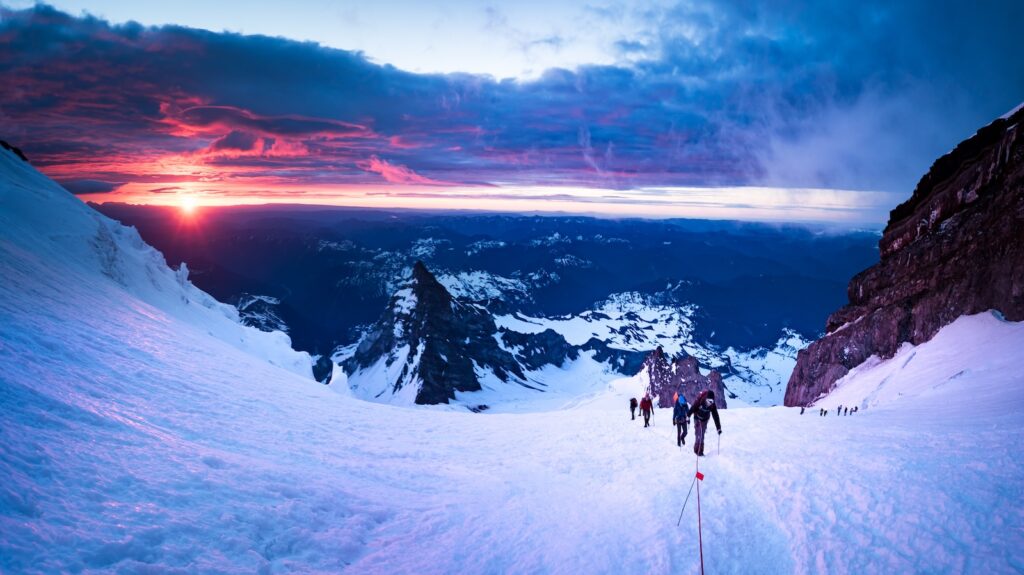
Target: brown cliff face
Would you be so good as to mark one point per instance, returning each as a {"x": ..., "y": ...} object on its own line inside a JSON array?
[
  {"x": 956, "y": 247},
  {"x": 680, "y": 375}
]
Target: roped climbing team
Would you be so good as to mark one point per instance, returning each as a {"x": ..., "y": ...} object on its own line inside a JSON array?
[{"x": 703, "y": 410}]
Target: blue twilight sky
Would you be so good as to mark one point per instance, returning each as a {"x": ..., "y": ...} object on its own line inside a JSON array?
[{"x": 773, "y": 110}]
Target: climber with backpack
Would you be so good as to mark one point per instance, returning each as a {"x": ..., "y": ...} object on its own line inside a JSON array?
[
  {"x": 680, "y": 418},
  {"x": 632, "y": 408},
  {"x": 646, "y": 406},
  {"x": 703, "y": 409}
]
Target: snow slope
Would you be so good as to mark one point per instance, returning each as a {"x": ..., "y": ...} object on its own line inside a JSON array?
[
  {"x": 135, "y": 437},
  {"x": 625, "y": 321},
  {"x": 45, "y": 231},
  {"x": 984, "y": 350}
]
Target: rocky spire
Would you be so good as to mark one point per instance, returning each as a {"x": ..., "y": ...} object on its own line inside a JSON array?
[{"x": 433, "y": 342}]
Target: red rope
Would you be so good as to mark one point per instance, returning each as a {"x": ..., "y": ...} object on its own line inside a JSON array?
[{"x": 700, "y": 529}]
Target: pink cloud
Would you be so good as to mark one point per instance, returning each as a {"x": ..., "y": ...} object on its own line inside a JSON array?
[
  {"x": 397, "y": 174},
  {"x": 243, "y": 144},
  {"x": 400, "y": 143},
  {"x": 211, "y": 120}
]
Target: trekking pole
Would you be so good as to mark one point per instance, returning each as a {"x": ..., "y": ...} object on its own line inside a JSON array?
[
  {"x": 687, "y": 501},
  {"x": 719, "y": 443}
]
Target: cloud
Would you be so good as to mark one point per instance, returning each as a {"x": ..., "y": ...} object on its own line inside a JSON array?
[
  {"x": 89, "y": 186},
  {"x": 235, "y": 140},
  {"x": 397, "y": 174},
  {"x": 850, "y": 95},
  {"x": 859, "y": 95},
  {"x": 203, "y": 119}
]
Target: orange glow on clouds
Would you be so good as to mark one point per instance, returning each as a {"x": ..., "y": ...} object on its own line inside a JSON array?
[
  {"x": 188, "y": 181},
  {"x": 737, "y": 203}
]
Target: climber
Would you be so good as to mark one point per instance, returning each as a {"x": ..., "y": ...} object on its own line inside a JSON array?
[
  {"x": 703, "y": 409},
  {"x": 680, "y": 418},
  {"x": 632, "y": 408},
  {"x": 645, "y": 409}
]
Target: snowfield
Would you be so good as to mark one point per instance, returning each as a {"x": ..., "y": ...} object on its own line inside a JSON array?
[
  {"x": 630, "y": 321},
  {"x": 143, "y": 430}
]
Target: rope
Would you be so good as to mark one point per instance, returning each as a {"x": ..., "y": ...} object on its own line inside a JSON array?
[
  {"x": 687, "y": 501},
  {"x": 700, "y": 529},
  {"x": 697, "y": 477}
]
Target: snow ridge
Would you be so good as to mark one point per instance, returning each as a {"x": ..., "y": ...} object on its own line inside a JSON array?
[{"x": 103, "y": 254}]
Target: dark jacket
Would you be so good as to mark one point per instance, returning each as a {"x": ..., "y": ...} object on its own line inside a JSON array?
[
  {"x": 680, "y": 411},
  {"x": 701, "y": 409},
  {"x": 632, "y": 403}
]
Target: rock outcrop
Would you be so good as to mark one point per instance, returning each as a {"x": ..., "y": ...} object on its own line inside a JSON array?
[
  {"x": 956, "y": 247},
  {"x": 429, "y": 340},
  {"x": 14, "y": 150},
  {"x": 680, "y": 375}
]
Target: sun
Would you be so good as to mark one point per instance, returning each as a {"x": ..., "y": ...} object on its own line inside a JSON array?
[{"x": 188, "y": 205}]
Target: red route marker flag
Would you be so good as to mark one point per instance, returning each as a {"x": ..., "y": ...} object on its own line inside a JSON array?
[{"x": 700, "y": 476}]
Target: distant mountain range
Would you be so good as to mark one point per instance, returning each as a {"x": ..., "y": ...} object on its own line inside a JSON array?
[
  {"x": 429, "y": 345},
  {"x": 739, "y": 297}
]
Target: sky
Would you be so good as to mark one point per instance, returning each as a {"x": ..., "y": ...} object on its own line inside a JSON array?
[{"x": 773, "y": 110}]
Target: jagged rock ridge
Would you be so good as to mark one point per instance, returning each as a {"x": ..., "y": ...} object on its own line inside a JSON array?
[
  {"x": 956, "y": 247},
  {"x": 680, "y": 375},
  {"x": 431, "y": 341}
]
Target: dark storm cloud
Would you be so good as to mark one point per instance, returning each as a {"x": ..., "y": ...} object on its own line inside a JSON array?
[
  {"x": 240, "y": 141},
  {"x": 89, "y": 186},
  {"x": 860, "y": 95},
  {"x": 847, "y": 94}
]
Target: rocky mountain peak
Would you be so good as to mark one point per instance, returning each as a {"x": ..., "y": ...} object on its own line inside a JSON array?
[
  {"x": 956, "y": 247},
  {"x": 428, "y": 345},
  {"x": 423, "y": 279},
  {"x": 680, "y": 375}
]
